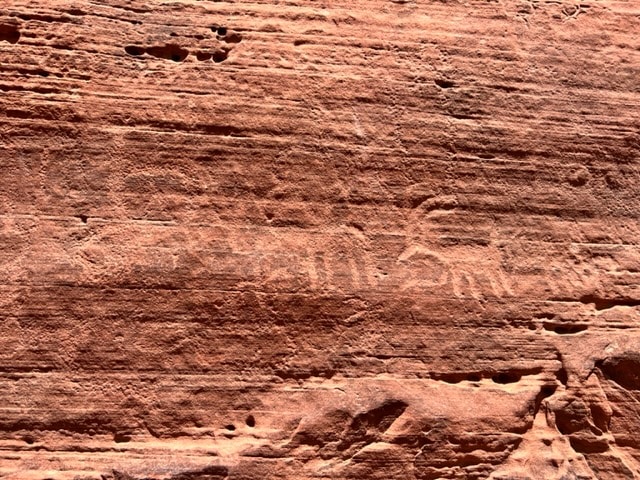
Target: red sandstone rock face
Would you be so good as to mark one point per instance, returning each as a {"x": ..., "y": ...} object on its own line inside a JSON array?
[{"x": 351, "y": 240}]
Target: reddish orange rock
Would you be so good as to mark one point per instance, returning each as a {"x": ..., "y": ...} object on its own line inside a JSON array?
[{"x": 351, "y": 240}]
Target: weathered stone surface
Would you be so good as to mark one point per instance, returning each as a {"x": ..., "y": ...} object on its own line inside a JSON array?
[{"x": 349, "y": 240}]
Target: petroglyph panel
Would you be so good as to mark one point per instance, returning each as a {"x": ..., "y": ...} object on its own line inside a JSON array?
[{"x": 376, "y": 239}]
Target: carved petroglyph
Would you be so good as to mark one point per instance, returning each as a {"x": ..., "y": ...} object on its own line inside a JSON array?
[
  {"x": 423, "y": 268},
  {"x": 416, "y": 269},
  {"x": 346, "y": 262}
]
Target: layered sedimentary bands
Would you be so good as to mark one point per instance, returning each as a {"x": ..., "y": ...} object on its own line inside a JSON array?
[{"x": 358, "y": 239}]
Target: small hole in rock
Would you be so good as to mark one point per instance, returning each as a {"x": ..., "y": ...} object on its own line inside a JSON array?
[
  {"x": 169, "y": 52},
  {"x": 43, "y": 73},
  {"x": 202, "y": 56},
  {"x": 28, "y": 439},
  {"x": 173, "y": 34},
  {"x": 222, "y": 31},
  {"x": 474, "y": 377},
  {"x": 600, "y": 417},
  {"x": 9, "y": 33},
  {"x": 231, "y": 427},
  {"x": 506, "y": 377},
  {"x": 83, "y": 218},
  {"x": 562, "y": 376},
  {"x": 570, "y": 329},
  {"x": 233, "y": 37},
  {"x": 565, "y": 329},
  {"x": 548, "y": 390},
  {"x": 443, "y": 83},
  {"x": 220, "y": 56},
  {"x": 251, "y": 421},
  {"x": 120, "y": 437},
  {"x": 134, "y": 50}
]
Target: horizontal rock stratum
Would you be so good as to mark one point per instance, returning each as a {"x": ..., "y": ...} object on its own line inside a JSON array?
[{"x": 296, "y": 239}]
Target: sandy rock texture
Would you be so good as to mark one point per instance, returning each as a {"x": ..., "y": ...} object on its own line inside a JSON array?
[{"x": 350, "y": 239}]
